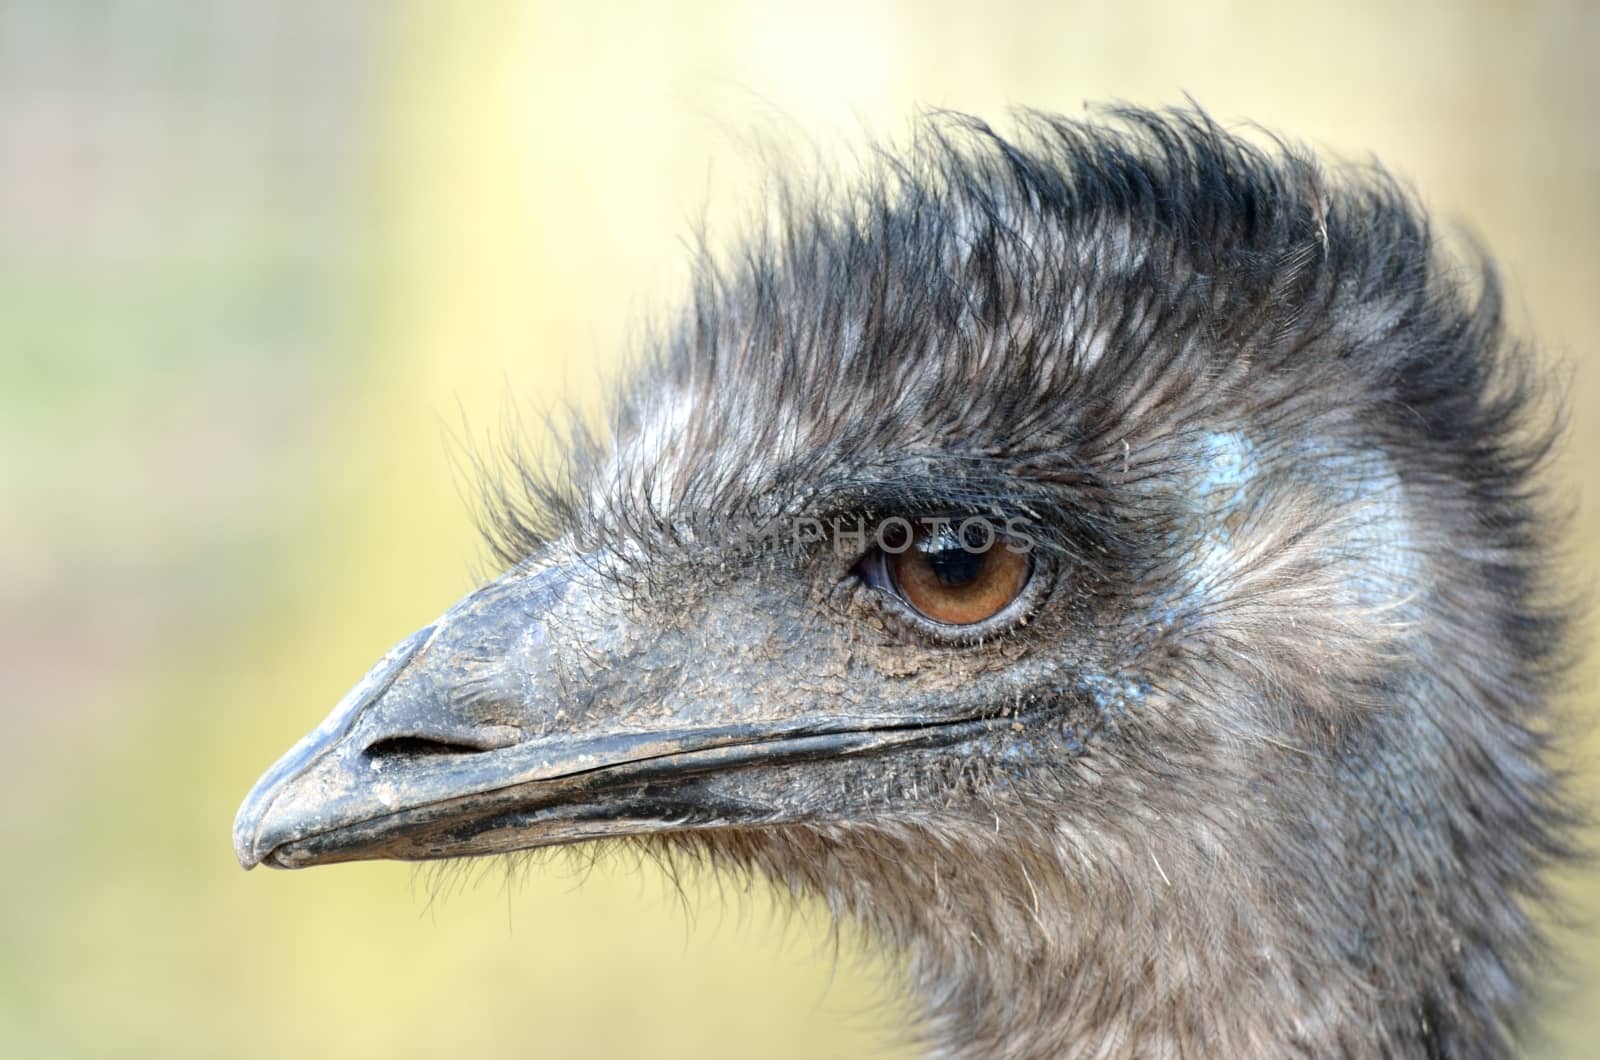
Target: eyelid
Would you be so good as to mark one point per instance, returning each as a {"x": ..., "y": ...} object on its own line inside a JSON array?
[{"x": 873, "y": 569}]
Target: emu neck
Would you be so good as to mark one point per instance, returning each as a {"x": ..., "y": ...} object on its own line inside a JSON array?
[
  {"x": 1161, "y": 959},
  {"x": 1355, "y": 902},
  {"x": 1186, "y": 954}
]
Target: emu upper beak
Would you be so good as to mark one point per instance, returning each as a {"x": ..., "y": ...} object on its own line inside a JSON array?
[{"x": 475, "y": 735}]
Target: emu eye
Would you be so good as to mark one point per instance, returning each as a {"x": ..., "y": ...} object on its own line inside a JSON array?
[{"x": 958, "y": 575}]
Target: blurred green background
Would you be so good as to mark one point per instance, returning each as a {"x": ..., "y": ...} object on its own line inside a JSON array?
[{"x": 259, "y": 262}]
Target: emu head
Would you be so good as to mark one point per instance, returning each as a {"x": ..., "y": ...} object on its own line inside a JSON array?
[{"x": 1106, "y": 564}]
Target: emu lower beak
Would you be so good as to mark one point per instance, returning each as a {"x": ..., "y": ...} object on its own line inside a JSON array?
[{"x": 470, "y": 737}]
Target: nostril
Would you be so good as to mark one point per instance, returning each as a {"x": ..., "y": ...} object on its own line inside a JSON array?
[
  {"x": 420, "y": 747},
  {"x": 413, "y": 746},
  {"x": 440, "y": 742}
]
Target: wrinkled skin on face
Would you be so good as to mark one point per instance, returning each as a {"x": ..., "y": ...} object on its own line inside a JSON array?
[{"x": 1252, "y": 764}]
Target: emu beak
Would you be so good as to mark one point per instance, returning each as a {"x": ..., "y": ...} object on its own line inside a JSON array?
[{"x": 480, "y": 735}]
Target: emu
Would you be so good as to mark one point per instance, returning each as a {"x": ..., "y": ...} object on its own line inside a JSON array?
[{"x": 1108, "y": 561}]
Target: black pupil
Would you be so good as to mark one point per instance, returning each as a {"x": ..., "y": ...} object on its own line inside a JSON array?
[{"x": 952, "y": 564}]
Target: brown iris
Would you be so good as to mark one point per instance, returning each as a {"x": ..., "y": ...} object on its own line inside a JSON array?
[{"x": 959, "y": 574}]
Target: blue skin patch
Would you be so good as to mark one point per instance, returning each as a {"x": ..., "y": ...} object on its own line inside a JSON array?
[
  {"x": 1114, "y": 696},
  {"x": 1228, "y": 464},
  {"x": 1360, "y": 489},
  {"x": 1381, "y": 557}
]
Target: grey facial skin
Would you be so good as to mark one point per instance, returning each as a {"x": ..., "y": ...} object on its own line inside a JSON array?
[{"x": 1257, "y": 762}]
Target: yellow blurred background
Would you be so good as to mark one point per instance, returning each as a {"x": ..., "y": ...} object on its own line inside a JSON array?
[{"x": 261, "y": 262}]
